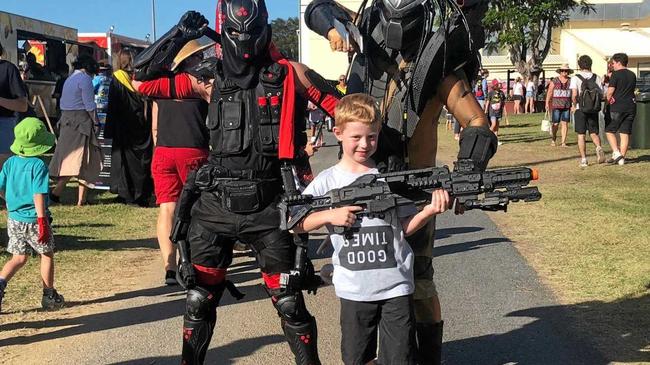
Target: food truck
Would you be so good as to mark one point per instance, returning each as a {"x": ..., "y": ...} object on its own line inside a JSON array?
[{"x": 53, "y": 46}]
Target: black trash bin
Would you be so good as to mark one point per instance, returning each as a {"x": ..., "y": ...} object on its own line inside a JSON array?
[{"x": 640, "y": 138}]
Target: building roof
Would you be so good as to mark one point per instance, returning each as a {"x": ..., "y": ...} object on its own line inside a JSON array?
[{"x": 608, "y": 41}]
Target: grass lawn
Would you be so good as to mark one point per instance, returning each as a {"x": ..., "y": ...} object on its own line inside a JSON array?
[{"x": 589, "y": 236}]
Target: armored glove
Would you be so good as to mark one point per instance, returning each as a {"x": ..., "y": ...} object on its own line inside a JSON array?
[
  {"x": 186, "y": 274},
  {"x": 192, "y": 25}
]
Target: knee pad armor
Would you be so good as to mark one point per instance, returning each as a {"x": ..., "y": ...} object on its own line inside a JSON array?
[
  {"x": 200, "y": 302},
  {"x": 291, "y": 306},
  {"x": 199, "y": 321}
]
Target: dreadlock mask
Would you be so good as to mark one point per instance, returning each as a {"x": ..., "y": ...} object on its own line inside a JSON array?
[
  {"x": 245, "y": 30},
  {"x": 401, "y": 23}
]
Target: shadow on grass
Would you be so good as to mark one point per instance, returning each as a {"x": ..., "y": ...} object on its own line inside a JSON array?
[
  {"x": 572, "y": 325},
  {"x": 225, "y": 355},
  {"x": 68, "y": 243},
  {"x": 84, "y": 225},
  {"x": 638, "y": 159},
  {"x": 518, "y": 125},
  {"x": 523, "y": 138}
]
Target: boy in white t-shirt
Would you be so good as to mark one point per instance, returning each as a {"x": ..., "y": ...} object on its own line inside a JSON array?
[{"x": 373, "y": 268}]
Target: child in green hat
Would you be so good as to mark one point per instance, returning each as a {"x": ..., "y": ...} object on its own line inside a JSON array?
[{"x": 24, "y": 183}]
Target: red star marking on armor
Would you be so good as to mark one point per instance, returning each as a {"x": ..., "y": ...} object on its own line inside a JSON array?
[
  {"x": 187, "y": 333},
  {"x": 242, "y": 12},
  {"x": 305, "y": 338}
]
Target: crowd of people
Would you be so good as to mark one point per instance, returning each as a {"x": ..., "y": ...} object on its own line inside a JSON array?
[{"x": 583, "y": 98}]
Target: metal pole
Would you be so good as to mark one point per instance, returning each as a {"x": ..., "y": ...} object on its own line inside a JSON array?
[{"x": 153, "y": 19}]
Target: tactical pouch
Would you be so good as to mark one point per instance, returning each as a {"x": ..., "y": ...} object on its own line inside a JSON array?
[
  {"x": 266, "y": 131},
  {"x": 240, "y": 196},
  {"x": 231, "y": 127},
  {"x": 269, "y": 127}
]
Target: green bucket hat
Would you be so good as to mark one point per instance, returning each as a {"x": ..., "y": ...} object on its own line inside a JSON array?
[{"x": 32, "y": 138}]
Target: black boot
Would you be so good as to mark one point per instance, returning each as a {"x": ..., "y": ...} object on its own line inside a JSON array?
[
  {"x": 429, "y": 336},
  {"x": 303, "y": 341}
]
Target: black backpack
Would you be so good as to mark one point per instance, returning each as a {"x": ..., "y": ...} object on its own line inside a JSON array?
[{"x": 591, "y": 95}]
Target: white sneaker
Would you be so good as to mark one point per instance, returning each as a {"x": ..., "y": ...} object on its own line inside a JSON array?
[
  {"x": 583, "y": 163},
  {"x": 621, "y": 161},
  {"x": 600, "y": 154}
]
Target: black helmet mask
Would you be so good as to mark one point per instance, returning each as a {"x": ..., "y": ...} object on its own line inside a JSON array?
[
  {"x": 401, "y": 22},
  {"x": 245, "y": 30}
]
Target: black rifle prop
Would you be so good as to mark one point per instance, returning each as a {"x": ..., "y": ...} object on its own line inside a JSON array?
[
  {"x": 301, "y": 276},
  {"x": 491, "y": 190}
]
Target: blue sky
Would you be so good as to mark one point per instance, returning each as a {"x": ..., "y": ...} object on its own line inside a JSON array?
[{"x": 130, "y": 17}]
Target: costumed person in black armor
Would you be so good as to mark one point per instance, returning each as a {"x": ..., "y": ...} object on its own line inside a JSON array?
[
  {"x": 417, "y": 55},
  {"x": 256, "y": 124}
]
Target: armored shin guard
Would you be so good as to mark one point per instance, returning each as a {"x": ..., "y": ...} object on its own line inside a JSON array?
[
  {"x": 198, "y": 323},
  {"x": 303, "y": 340},
  {"x": 429, "y": 337},
  {"x": 298, "y": 325}
]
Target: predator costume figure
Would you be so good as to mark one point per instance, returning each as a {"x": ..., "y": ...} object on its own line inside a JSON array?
[
  {"x": 256, "y": 125},
  {"x": 417, "y": 56}
]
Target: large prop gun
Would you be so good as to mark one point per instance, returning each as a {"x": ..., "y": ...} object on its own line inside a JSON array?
[{"x": 491, "y": 190}]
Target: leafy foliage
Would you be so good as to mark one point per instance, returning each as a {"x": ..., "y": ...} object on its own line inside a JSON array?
[
  {"x": 524, "y": 28},
  {"x": 285, "y": 36}
]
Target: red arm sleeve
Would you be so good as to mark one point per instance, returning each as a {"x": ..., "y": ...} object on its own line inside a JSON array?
[
  {"x": 325, "y": 100},
  {"x": 180, "y": 87}
]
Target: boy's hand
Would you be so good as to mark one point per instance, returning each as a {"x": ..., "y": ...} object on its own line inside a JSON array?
[
  {"x": 43, "y": 230},
  {"x": 344, "y": 216},
  {"x": 440, "y": 202}
]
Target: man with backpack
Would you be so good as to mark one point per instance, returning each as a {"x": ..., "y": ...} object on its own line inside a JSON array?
[{"x": 586, "y": 96}]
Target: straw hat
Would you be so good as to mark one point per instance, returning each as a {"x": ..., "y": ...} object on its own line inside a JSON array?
[
  {"x": 193, "y": 46},
  {"x": 564, "y": 67},
  {"x": 32, "y": 138}
]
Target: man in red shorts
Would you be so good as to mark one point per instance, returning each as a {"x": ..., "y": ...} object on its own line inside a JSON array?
[{"x": 181, "y": 141}]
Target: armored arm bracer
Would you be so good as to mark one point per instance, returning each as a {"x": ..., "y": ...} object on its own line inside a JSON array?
[
  {"x": 320, "y": 15},
  {"x": 320, "y": 92},
  {"x": 154, "y": 61}
]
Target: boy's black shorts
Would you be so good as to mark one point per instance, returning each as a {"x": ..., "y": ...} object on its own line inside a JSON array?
[
  {"x": 393, "y": 319},
  {"x": 621, "y": 122},
  {"x": 586, "y": 122}
]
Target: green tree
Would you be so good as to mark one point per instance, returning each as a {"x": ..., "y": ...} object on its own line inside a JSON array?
[
  {"x": 285, "y": 36},
  {"x": 524, "y": 29}
]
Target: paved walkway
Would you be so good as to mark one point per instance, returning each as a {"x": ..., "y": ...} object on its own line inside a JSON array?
[{"x": 495, "y": 308}]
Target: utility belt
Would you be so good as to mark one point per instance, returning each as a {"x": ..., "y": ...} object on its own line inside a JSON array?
[{"x": 239, "y": 191}]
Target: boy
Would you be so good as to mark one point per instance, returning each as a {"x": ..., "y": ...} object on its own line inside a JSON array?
[
  {"x": 495, "y": 107},
  {"x": 373, "y": 268},
  {"x": 24, "y": 183}
]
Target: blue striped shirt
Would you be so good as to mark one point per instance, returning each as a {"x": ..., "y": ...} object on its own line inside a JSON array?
[{"x": 78, "y": 92}]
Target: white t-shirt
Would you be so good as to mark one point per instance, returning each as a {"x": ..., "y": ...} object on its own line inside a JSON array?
[
  {"x": 576, "y": 83},
  {"x": 530, "y": 86},
  {"x": 518, "y": 89},
  {"x": 376, "y": 263}
]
